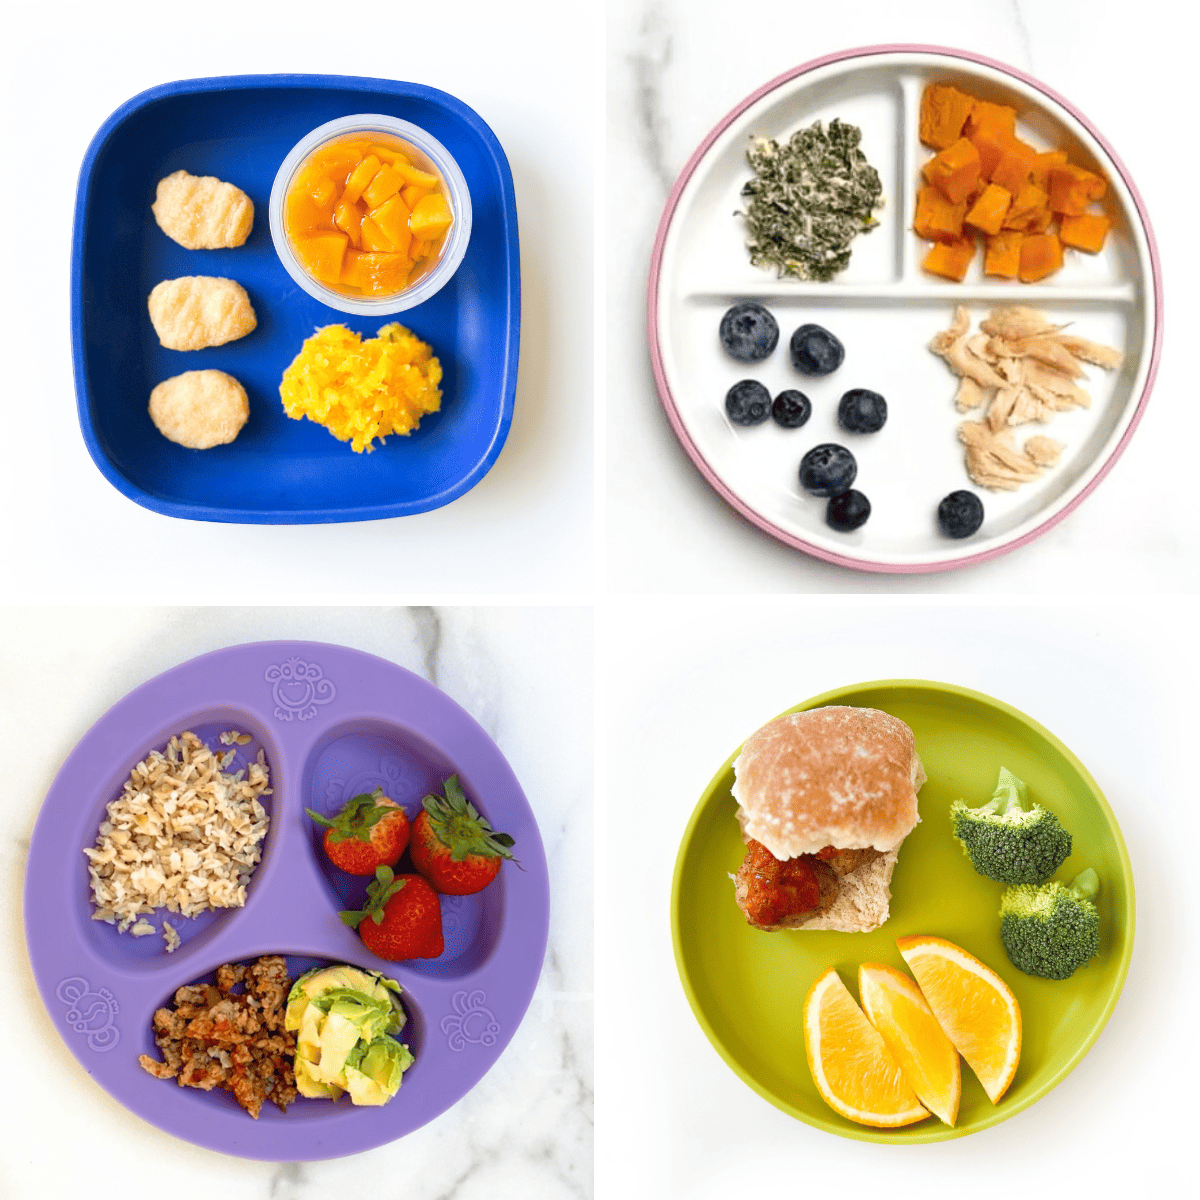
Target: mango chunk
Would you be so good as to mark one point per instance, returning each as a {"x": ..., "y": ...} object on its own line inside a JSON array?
[
  {"x": 361, "y": 176},
  {"x": 392, "y": 219},
  {"x": 373, "y": 238},
  {"x": 431, "y": 216},
  {"x": 411, "y": 193},
  {"x": 387, "y": 182},
  {"x": 415, "y": 175},
  {"x": 322, "y": 254}
]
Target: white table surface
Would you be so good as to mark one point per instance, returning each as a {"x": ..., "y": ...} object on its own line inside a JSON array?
[
  {"x": 527, "y": 526},
  {"x": 674, "y": 69},
  {"x": 526, "y": 1129},
  {"x": 1114, "y": 682}
]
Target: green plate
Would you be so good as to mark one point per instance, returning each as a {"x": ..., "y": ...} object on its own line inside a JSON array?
[{"x": 747, "y": 988}]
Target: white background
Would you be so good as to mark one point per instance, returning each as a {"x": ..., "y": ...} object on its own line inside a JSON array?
[
  {"x": 527, "y": 526},
  {"x": 676, "y": 67},
  {"x": 526, "y": 1129},
  {"x": 1114, "y": 682}
]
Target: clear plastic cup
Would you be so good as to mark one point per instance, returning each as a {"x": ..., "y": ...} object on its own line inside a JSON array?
[{"x": 427, "y": 153}]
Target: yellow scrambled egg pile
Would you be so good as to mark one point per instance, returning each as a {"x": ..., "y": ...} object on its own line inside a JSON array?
[{"x": 363, "y": 390}]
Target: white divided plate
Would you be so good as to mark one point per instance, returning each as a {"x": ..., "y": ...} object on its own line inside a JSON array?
[{"x": 885, "y": 309}]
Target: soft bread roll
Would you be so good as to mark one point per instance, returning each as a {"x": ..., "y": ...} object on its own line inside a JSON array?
[{"x": 836, "y": 776}]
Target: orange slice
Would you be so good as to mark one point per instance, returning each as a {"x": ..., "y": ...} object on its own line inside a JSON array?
[
  {"x": 928, "y": 1060},
  {"x": 974, "y": 1006},
  {"x": 851, "y": 1066}
]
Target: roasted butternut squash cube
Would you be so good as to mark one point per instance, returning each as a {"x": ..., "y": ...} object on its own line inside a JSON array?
[
  {"x": 990, "y": 148},
  {"x": 431, "y": 217},
  {"x": 1003, "y": 255},
  {"x": 416, "y": 175},
  {"x": 1071, "y": 189},
  {"x": 360, "y": 177},
  {"x": 1084, "y": 232},
  {"x": 1041, "y": 255},
  {"x": 1028, "y": 206},
  {"x": 955, "y": 171},
  {"x": 987, "y": 213},
  {"x": 951, "y": 259},
  {"x": 997, "y": 119},
  {"x": 1040, "y": 174},
  {"x": 944, "y": 112},
  {"x": 387, "y": 182},
  {"x": 392, "y": 219},
  {"x": 322, "y": 254},
  {"x": 937, "y": 220},
  {"x": 1012, "y": 171}
]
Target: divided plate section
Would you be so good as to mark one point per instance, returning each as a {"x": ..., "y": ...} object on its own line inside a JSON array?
[
  {"x": 362, "y": 755},
  {"x": 885, "y": 310},
  {"x": 148, "y": 952},
  {"x": 732, "y": 974}
]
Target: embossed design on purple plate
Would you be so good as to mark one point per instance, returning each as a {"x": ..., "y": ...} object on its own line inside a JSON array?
[
  {"x": 471, "y": 1022},
  {"x": 451, "y": 916},
  {"x": 297, "y": 687},
  {"x": 90, "y": 1013},
  {"x": 391, "y": 777}
]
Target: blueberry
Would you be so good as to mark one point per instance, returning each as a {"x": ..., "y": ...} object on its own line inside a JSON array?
[
  {"x": 847, "y": 511},
  {"x": 960, "y": 514},
  {"x": 791, "y": 409},
  {"x": 815, "y": 351},
  {"x": 827, "y": 470},
  {"x": 748, "y": 332},
  {"x": 748, "y": 403},
  {"x": 862, "y": 411}
]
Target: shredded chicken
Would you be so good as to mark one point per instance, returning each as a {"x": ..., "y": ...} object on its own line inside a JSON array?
[{"x": 1020, "y": 367}]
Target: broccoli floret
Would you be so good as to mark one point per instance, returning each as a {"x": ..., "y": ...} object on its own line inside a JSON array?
[
  {"x": 1007, "y": 842},
  {"x": 1051, "y": 930}
]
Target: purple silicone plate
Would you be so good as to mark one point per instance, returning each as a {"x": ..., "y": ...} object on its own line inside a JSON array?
[{"x": 333, "y": 722}]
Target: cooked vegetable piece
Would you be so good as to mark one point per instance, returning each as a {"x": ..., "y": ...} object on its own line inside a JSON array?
[
  {"x": 1051, "y": 931},
  {"x": 951, "y": 259},
  {"x": 996, "y": 119},
  {"x": 987, "y": 213},
  {"x": 1003, "y": 257},
  {"x": 1085, "y": 232},
  {"x": 955, "y": 171},
  {"x": 1041, "y": 255},
  {"x": 1072, "y": 187},
  {"x": 1040, "y": 174},
  {"x": 944, "y": 112},
  {"x": 937, "y": 219},
  {"x": 1029, "y": 206}
]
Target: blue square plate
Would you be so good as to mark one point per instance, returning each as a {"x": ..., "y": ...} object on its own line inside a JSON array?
[{"x": 280, "y": 471}]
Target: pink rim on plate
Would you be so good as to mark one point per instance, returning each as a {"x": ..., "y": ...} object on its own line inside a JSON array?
[{"x": 668, "y": 400}]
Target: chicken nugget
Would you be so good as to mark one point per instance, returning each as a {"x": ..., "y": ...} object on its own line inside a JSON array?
[
  {"x": 200, "y": 409},
  {"x": 200, "y": 310},
  {"x": 202, "y": 213}
]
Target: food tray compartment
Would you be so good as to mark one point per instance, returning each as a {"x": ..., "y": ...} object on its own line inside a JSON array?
[
  {"x": 278, "y": 470},
  {"x": 322, "y": 713},
  {"x": 885, "y": 318}
]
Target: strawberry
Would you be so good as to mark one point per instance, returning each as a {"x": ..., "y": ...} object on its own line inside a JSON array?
[
  {"x": 453, "y": 846},
  {"x": 371, "y": 831},
  {"x": 402, "y": 918}
]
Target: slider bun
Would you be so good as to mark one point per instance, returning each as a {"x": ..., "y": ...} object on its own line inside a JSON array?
[{"x": 836, "y": 776}]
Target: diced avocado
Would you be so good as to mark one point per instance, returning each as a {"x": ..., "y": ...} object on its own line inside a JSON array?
[
  {"x": 363, "y": 1089},
  {"x": 307, "y": 1083},
  {"x": 338, "y": 1038},
  {"x": 308, "y": 1036}
]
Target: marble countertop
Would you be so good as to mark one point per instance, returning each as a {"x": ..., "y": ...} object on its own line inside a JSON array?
[
  {"x": 526, "y": 1129},
  {"x": 76, "y": 530},
  {"x": 674, "y": 69},
  {"x": 1117, "y": 689}
]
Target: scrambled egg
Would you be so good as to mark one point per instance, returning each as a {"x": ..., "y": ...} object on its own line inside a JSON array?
[{"x": 363, "y": 390}]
